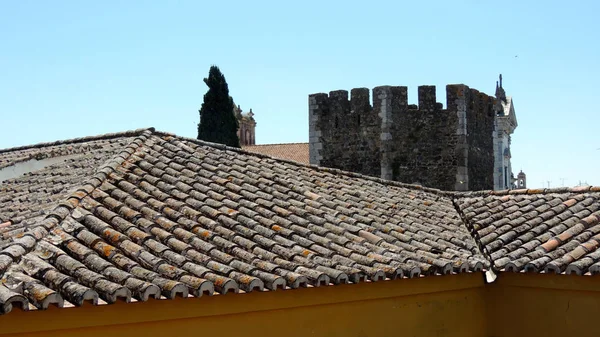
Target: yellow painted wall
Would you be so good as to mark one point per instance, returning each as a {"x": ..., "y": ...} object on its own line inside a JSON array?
[
  {"x": 543, "y": 305},
  {"x": 455, "y": 305},
  {"x": 432, "y": 306}
]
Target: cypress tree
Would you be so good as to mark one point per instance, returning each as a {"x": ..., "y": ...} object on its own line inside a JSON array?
[{"x": 218, "y": 123}]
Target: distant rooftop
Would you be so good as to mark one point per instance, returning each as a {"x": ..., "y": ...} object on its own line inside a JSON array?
[{"x": 291, "y": 151}]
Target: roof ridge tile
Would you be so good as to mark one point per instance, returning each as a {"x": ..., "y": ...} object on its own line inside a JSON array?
[{"x": 128, "y": 133}]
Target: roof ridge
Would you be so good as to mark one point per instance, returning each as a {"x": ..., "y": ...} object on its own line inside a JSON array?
[
  {"x": 276, "y": 144},
  {"x": 312, "y": 166},
  {"x": 451, "y": 194},
  {"x": 474, "y": 235},
  {"x": 65, "y": 207},
  {"x": 576, "y": 189},
  {"x": 79, "y": 140}
]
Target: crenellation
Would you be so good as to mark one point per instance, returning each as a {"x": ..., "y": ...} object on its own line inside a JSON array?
[
  {"x": 455, "y": 96},
  {"x": 363, "y": 145},
  {"x": 399, "y": 99},
  {"x": 338, "y": 95},
  {"x": 339, "y": 108},
  {"x": 427, "y": 100},
  {"x": 424, "y": 143},
  {"x": 360, "y": 108},
  {"x": 360, "y": 97},
  {"x": 335, "y": 117}
]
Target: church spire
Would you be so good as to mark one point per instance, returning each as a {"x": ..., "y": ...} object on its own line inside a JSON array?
[{"x": 500, "y": 94}]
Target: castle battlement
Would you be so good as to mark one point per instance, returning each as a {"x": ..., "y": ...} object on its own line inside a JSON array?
[
  {"x": 448, "y": 148},
  {"x": 358, "y": 99}
]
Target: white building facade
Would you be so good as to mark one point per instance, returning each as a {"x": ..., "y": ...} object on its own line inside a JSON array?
[{"x": 504, "y": 125}]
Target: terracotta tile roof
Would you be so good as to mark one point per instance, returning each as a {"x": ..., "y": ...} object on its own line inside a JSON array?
[
  {"x": 26, "y": 199},
  {"x": 166, "y": 216},
  {"x": 81, "y": 145},
  {"x": 146, "y": 214},
  {"x": 292, "y": 151},
  {"x": 553, "y": 230}
]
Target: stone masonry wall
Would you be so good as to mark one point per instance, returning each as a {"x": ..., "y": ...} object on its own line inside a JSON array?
[
  {"x": 480, "y": 134},
  {"x": 450, "y": 149},
  {"x": 424, "y": 139},
  {"x": 345, "y": 133}
]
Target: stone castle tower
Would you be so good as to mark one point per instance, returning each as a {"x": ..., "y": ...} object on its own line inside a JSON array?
[
  {"x": 247, "y": 126},
  {"x": 450, "y": 149}
]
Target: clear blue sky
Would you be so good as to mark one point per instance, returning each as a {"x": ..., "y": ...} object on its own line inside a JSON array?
[{"x": 77, "y": 68}]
